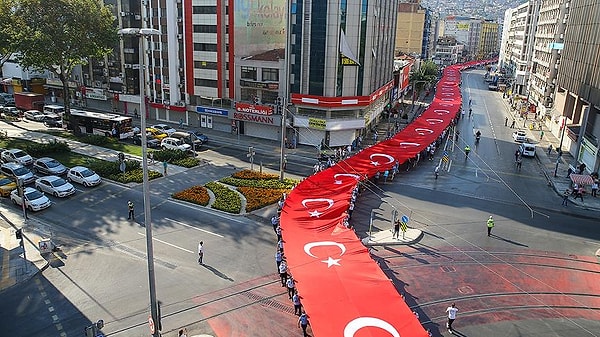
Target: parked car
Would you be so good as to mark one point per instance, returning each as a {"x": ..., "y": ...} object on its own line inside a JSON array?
[
  {"x": 49, "y": 166},
  {"x": 6, "y": 98},
  {"x": 16, "y": 156},
  {"x": 11, "y": 111},
  {"x": 34, "y": 115},
  {"x": 174, "y": 144},
  {"x": 34, "y": 199},
  {"x": 527, "y": 150},
  {"x": 18, "y": 172},
  {"x": 158, "y": 134},
  {"x": 53, "y": 121},
  {"x": 54, "y": 185},
  {"x": 84, "y": 176},
  {"x": 151, "y": 142},
  {"x": 188, "y": 138},
  {"x": 7, "y": 185},
  {"x": 164, "y": 128},
  {"x": 520, "y": 136},
  {"x": 201, "y": 136}
]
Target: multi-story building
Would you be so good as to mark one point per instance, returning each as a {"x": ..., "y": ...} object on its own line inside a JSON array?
[
  {"x": 410, "y": 28},
  {"x": 578, "y": 83},
  {"x": 549, "y": 40},
  {"x": 488, "y": 40},
  {"x": 341, "y": 67},
  {"x": 519, "y": 47},
  {"x": 448, "y": 51},
  {"x": 466, "y": 31}
]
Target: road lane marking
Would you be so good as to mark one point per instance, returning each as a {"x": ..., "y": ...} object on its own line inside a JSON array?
[
  {"x": 192, "y": 227},
  {"x": 202, "y": 209},
  {"x": 168, "y": 244}
]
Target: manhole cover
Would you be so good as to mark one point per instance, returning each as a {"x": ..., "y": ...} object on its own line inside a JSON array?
[
  {"x": 465, "y": 290},
  {"x": 448, "y": 269}
]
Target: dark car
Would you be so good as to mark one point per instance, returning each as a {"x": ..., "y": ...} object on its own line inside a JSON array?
[
  {"x": 201, "y": 136},
  {"x": 151, "y": 142},
  {"x": 53, "y": 121}
]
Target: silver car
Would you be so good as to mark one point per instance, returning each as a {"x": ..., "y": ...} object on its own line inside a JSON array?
[
  {"x": 49, "y": 166},
  {"x": 54, "y": 185}
]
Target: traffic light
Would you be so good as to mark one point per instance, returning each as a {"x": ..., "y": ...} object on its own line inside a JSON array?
[
  {"x": 279, "y": 101},
  {"x": 19, "y": 234}
]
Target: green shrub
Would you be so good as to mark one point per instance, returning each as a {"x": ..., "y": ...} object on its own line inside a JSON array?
[
  {"x": 169, "y": 155},
  {"x": 44, "y": 149},
  {"x": 133, "y": 176},
  {"x": 262, "y": 183},
  {"x": 97, "y": 140},
  {"x": 109, "y": 168},
  {"x": 186, "y": 162},
  {"x": 225, "y": 199}
]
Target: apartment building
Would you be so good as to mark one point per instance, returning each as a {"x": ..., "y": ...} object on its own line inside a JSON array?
[{"x": 410, "y": 28}]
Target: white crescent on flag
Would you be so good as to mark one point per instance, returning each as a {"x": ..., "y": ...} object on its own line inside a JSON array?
[
  {"x": 406, "y": 145},
  {"x": 441, "y": 111},
  {"x": 338, "y": 181},
  {"x": 330, "y": 261},
  {"x": 316, "y": 213},
  {"x": 433, "y": 121},
  {"x": 423, "y": 131},
  {"x": 376, "y": 163},
  {"x": 362, "y": 322}
]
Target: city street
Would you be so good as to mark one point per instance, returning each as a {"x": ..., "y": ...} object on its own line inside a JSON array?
[{"x": 535, "y": 275}]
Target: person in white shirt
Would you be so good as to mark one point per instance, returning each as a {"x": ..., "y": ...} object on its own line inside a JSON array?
[
  {"x": 451, "y": 310},
  {"x": 283, "y": 273},
  {"x": 200, "y": 252}
]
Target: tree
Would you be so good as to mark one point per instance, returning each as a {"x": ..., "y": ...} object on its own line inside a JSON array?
[
  {"x": 60, "y": 35},
  {"x": 425, "y": 76},
  {"x": 7, "y": 31}
]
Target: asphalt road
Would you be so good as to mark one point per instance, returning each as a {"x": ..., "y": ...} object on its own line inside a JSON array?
[{"x": 537, "y": 274}]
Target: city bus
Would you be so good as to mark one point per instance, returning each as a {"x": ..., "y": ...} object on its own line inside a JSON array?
[{"x": 105, "y": 124}]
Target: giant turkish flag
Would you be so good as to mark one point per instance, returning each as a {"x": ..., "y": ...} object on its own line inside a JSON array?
[{"x": 343, "y": 290}]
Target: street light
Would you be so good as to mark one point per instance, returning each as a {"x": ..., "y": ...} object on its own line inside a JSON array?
[{"x": 142, "y": 33}]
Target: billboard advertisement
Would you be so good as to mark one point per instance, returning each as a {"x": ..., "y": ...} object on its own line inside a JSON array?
[{"x": 259, "y": 26}]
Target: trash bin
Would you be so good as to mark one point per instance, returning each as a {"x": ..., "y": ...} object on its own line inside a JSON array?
[{"x": 45, "y": 246}]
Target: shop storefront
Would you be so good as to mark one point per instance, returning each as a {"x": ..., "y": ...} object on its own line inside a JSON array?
[
  {"x": 257, "y": 121},
  {"x": 212, "y": 118}
]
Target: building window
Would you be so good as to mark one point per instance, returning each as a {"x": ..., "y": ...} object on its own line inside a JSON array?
[
  {"x": 205, "y": 65},
  {"x": 204, "y": 10},
  {"x": 205, "y": 47},
  {"x": 249, "y": 73},
  {"x": 248, "y": 94},
  {"x": 270, "y": 74},
  {"x": 205, "y": 29},
  {"x": 205, "y": 83},
  {"x": 269, "y": 97}
]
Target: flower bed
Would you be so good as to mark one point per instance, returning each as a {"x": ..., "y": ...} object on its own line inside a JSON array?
[
  {"x": 225, "y": 199},
  {"x": 260, "y": 197},
  {"x": 249, "y": 174},
  {"x": 195, "y": 194}
]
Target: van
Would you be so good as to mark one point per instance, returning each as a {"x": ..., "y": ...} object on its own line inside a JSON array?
[
  {"x": 54, "y": 109},
  {"x": 188, "y": 138},
  {"x": 527, "y": 150}
]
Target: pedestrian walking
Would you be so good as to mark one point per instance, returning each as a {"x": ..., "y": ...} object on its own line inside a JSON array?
[
  {"x": 275, "y": 223},
  {"x": 290, "y": 286},
  {"x": 565, "y": 196},
  {"x": 505, "y": 121},
  {"x": 512, "y": 124},
  {"x": 283, "y": 273},
  {"x": 350, "y": 209},
  {"x": 182, "y": 332},
  {"x": 151, "y": 157},
  {"x": 595, "y": 188},
  {"x": 451, "y": 310},
  {"x": 278, "y": 257},
  {"x": 517, "y": 155},
  {"x": 541, "y": 135},
  {"x": 200, "y": 252},
  {"x": 396, "y": 233},
  {"x": 490, "y": 225},
  {"x": 165, "y": 167},
  {"x": 519, "y": 163},
  {"x": 437, "y": 171},
  {"x": 130, "y": 215},
  {"x": 181, "y": 123},
  {"x": 278, "y": 232},
  {"x": 579, "y": 193},
  {"x": 297, "y": 304},
  {"x": 549, "y": 149},
  {"x": 303, "y": 323}
]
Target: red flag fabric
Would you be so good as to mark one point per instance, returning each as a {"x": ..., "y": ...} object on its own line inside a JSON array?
[{"x": 343, "y": 290}]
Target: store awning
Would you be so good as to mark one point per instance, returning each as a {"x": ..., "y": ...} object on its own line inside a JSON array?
[{"x": 581, "y": 179}]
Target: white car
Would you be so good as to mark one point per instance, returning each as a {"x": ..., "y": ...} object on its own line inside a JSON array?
[
  {"x": 520, "y": 136},
  {"x": 34, "y": 115},
  {"x": 170, "y": 143},
  {"x": 54, "y": 185},
  {"x": 16, "y": 156},
  {"x": 84, "y": 176},
  {"x": 34, "y": 199},
  {"x": 164, "y": 128}
]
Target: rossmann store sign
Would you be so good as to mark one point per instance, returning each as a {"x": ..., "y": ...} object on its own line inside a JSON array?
[{"x": 255, "y": 113}]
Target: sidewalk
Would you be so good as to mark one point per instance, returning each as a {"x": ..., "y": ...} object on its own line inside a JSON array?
[
  {"x": 14, "y": 267},
  {"x": 561, "y": 181}
]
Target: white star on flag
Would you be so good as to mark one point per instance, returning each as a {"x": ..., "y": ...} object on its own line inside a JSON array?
[
  {"x": 315, "y": 213},
  {"x": 375, "y": 163},
  {"x": 332, "y": 262}
]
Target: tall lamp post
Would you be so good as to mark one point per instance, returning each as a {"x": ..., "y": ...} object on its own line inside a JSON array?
[{"x": 141, "y": 34}]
